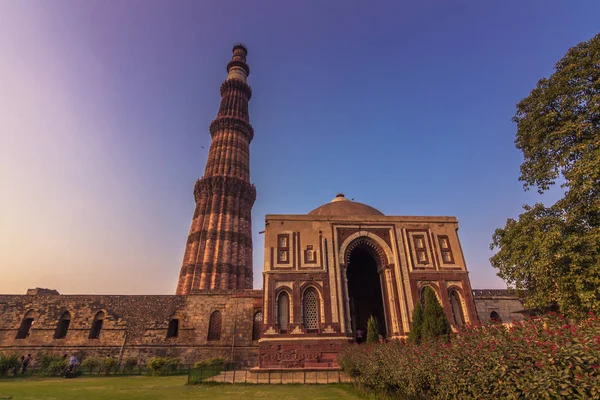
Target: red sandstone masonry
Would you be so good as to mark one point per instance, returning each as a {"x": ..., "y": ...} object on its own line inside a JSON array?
[{"x": 218, "y": 253}]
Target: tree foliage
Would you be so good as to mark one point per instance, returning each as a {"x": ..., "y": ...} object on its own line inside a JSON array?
[
  {"x": 435, "y": 322},
  {"x": 551, "y": 255},
  {"x": 417, "y": 325},
  {"x": 372, "y": 331}
]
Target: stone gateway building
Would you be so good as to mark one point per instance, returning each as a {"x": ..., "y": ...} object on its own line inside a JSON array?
[{"x": 325, "y": 273}]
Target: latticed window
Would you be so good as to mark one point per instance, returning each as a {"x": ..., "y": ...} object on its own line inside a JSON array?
[
  {"x": 257, "y": 325},
  {"x": 456, "y": 308},
  {"x": 283, "y": 311},
  {"x": 214, "y": 326},
  {"x": 311, "y": 309}
]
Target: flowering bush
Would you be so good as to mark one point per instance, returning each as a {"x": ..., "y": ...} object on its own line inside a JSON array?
[{"x": 545, "y": 357}]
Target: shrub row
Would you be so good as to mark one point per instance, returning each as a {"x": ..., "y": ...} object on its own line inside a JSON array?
[
  {"x": 107, "y": 365},
  {"x": 8, "y": 362},
  {"x": 547, "y": 357},
  {"x": 53, "y": 365},
  {"x": 162, "y": 365},
  {"x": 209, "y": 362}
]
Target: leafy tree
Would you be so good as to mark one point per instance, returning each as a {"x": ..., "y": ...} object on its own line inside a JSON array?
[
  {"x": 551, "y": 255},
  {"x": 417, "y": 324},
  {"x": 435, "y": 322},
  {"x": 372, "y": 331}
]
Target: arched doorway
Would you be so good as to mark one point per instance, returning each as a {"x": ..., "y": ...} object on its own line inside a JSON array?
[{"x": 364, "y": 288}]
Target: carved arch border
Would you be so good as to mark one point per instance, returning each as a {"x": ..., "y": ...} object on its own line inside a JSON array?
[
  {"x": 290, "y": 293},
  {"x": 319, "y": 289},
  {"x": 461, "y": 297},
  {"x": 421, "y": 285},
  {"x": 370, "y": 239}
]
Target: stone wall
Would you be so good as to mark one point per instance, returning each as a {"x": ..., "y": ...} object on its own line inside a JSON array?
[
  {"x": 134, "y": 326},
  {"x": 500, "y": 301}
]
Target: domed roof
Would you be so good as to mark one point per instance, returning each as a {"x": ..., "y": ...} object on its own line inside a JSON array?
[{"x": 340, "y": 205}]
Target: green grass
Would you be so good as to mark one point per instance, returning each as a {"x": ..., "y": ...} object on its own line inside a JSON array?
[{"x": 150, "y": 388}]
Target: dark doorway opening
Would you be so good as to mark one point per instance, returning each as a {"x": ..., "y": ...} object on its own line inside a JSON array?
[
  {"x": 173, "y": 328},
  {"x": 63, "y": 326},
  {"x": 364, "y": 289},
  {"x": 23, "y": 331}
]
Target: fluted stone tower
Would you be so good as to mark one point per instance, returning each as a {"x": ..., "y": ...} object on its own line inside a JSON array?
[{"x": 218, "y": 254}]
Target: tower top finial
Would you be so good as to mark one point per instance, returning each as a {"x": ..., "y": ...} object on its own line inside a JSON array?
[
  {"x": 240, "y": 46},
  {"x": 237, "y": 67}
]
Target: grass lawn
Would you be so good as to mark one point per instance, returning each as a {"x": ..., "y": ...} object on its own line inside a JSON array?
[{"x": 169, "y": 387}]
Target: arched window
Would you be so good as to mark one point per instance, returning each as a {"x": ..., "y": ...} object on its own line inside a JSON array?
[
  {"x": 25, "y": 327},
  {"x": 63, "y": 326},
  {"x": 310, "y": 310},
  {"x": 214, "y": 326},
  {"x": 173, "y": 330},
  {"x": 257, "y": 325},
  {"x": 283, "y": 311},
  {"x": 495, "y": 317},
  {"x": 456, "y": 306},
  {"x": 97, "y": 325}
]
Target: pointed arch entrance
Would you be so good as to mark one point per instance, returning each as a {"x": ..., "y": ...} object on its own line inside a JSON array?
[{"x": 365, "y": 288}]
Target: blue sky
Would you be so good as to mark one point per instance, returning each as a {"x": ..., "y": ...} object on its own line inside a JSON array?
[{"x": 405, "y": 106}]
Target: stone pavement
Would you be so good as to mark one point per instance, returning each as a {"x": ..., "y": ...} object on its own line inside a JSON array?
[{"x": 280, "y": 377}]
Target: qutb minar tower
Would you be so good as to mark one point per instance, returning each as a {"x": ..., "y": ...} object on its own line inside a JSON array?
[{"x": 218, "y": 254}]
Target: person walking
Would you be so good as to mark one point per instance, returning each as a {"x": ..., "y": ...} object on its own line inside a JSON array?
[
  {"x": 360, "y": 336},
  {"x": 25, "y": 363},
  {"x": 73, "y": 362}
]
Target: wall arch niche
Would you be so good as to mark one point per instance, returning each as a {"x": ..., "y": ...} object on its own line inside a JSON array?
[
  {"x": 214, "y": 325},
  {"x": 257, "y": 325},
  {"x": 25, "y": 326},
  {"x": 63, "y": 326},
  {"x": 495, "y": 317},
  {"x": 283, "y": 311},
  {"x": 97, "y": 325},
  {"x": 310, "y": 309},
  {"x": 456, "y": 307}
]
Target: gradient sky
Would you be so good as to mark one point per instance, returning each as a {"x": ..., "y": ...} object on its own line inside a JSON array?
[{"x": 403, "y": 105}]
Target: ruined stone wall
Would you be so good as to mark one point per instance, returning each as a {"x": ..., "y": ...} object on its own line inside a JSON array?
[
  {"x": 500, "y": 301},
  {"x": 134, "y": 326}
]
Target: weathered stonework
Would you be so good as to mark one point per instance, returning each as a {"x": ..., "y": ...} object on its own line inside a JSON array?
[
  {"x": 134, "y": 326},
  {"x": 505, "y": 304}
]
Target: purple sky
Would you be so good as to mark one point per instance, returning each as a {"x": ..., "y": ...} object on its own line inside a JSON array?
[{"x": 405, "y": 106}]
